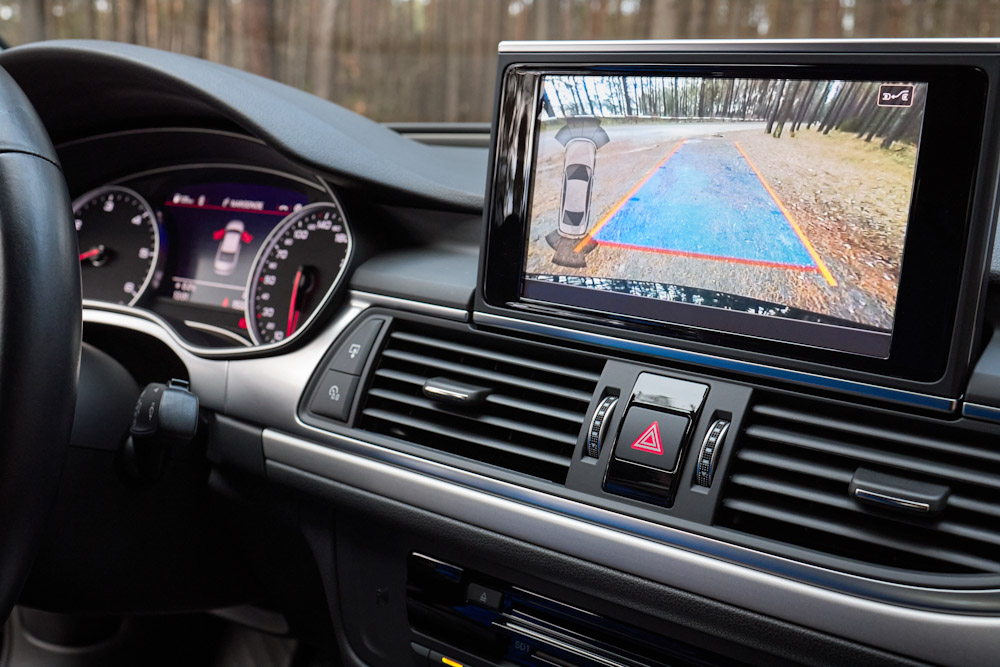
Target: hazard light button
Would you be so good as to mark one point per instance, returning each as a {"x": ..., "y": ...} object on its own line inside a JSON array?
[{"x": 652, "y": 438}]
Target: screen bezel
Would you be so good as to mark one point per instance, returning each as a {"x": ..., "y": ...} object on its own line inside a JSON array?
[{"x": 934, "y": 270}]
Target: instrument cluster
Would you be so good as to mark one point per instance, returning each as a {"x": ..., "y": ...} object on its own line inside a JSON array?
[{"x": 228, "y": 255}]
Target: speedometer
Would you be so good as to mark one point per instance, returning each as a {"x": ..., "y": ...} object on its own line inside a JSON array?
[{"x": 298, "y": 265}]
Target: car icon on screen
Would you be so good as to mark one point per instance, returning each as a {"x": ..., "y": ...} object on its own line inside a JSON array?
[
  {"x": 229, "y": 248},
  {"x": 578, "y": 180}
]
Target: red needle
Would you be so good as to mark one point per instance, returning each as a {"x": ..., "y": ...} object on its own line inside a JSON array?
[
  {"x": 292, "y": 313},
  {"x": 93, "y": 252}
]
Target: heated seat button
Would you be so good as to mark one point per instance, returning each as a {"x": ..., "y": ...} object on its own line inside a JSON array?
[
  {"x": 353, "y": 350},
  {"x": 334, "y": 395},
  {"x": 652, "y": 438}
]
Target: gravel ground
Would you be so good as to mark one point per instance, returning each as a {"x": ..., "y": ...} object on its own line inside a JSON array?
[{"x": 850, "y": 198}]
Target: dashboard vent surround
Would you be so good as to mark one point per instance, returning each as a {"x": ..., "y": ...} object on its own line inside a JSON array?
[
  {"x": 531, "y": 400},
  {"x": 794, "y": 463}
]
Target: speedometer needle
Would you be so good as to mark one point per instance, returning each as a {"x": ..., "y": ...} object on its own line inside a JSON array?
[{"x": 293, "y": 314}]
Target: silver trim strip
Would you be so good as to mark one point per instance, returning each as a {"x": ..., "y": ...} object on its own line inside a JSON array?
[
  {"x": 410, "y": 306},
  {"x": 893, "y": 501},
  {"x": 652, "y": 551},
  {"x": 211, "y": 328},
  {"x": 445, "y": 393},
  {"x": 516, "y": 628},
  {"x": 979, "y": 411},
  {"x": 902, "y": 396}
]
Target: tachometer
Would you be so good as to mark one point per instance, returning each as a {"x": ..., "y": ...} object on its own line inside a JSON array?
[
  {"x": 296, "y": 267},
  {"x": 119, "y": 240}
]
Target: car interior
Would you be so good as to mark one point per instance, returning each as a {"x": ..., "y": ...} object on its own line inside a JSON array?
[{"x": 686, "y": 358}]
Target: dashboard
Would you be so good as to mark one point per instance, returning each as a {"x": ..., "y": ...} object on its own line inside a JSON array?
[{"x": 434, "y": 433}]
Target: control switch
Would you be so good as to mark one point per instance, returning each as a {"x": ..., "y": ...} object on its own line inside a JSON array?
[
  {"x": 353, "y": 351},
  {"x": 484, "y": 597},
  {"x": 334, "y": 395},
  {"x": 652, "y": 438}
]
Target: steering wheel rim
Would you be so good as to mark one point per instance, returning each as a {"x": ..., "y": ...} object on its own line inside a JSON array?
[{"x": 40, "y": 333}]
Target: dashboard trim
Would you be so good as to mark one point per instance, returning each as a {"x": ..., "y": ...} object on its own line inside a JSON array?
[
  {"x": 870, "y": 611},
  {"x": 901, "y": 396}
]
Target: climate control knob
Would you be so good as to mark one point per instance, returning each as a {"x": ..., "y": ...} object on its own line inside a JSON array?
[
  {"x": 709, "y": 452},
  {"x": 599, "y": 425}
]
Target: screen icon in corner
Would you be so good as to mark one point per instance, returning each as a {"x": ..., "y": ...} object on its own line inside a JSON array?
[{"x": 895, "y": 95}]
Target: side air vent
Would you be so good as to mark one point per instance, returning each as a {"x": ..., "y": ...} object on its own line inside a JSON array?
[
  {"x": 506, "y": 403},
  {"x": 791, "y": 481}
]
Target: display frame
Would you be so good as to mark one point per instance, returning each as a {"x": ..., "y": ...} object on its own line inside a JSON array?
[{"x": 931, "y": 343}]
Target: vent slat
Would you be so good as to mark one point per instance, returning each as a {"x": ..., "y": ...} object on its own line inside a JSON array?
[
  {"x": 843, "y": 502},
  {"x": 874, "y": 432},
  {"x": 972, "y": 505},
  {"x": 480, "y": 374},
  {"x": 872, "y": 537},
  {"x": 793, "y": 462},
  {"x": 490, "y": 420},
  {"x": 492, "y": 356},
  {"x": 434, "y": 427},
  {"x": 536, "y": 408},
  {"x": 525, "y": 417},
  {"x": 869, "y": 455}
]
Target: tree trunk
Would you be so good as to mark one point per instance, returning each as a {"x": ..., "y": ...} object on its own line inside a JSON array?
[{"x": 775, "y": 105}]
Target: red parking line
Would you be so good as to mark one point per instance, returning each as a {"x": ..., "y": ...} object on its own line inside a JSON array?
[{"x": 718, "y": 258}]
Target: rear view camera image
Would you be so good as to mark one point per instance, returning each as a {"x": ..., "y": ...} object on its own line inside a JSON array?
[{"x": 778, "y": 197}]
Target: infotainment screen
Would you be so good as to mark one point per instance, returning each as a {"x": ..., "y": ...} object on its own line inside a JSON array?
[{"x": 670, "y": 198}]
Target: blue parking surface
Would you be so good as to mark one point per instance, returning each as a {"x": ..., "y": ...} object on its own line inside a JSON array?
[{"x": 705, "y": 200}]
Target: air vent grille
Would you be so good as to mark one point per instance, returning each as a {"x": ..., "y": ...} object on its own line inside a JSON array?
[
  {"x": 795, "y": 461},
  {"x": 535, "y": 401}
]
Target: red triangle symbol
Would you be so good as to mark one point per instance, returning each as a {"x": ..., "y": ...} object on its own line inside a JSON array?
[{"x": 649, "y": 441}]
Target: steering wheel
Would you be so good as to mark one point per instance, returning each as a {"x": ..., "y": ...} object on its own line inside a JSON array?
[{"x": 40, "y": 328}]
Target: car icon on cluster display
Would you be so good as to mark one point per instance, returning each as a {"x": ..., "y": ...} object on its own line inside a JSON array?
[{"x": 229, "y": 248}]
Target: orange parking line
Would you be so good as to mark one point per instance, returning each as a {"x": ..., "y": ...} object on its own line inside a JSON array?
[
  {"x": 617, "y": 207},
  {"x": 788, "y": 216}
]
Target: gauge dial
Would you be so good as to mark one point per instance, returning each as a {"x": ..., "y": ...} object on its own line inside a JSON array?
[
  {"x": 119, "y": 242},
  {"x": 298, "y": 265}
]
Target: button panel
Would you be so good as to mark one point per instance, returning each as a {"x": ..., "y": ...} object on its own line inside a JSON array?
[
  {"x": 652, "y": 438},
  {"x": 340, "y": 375}
]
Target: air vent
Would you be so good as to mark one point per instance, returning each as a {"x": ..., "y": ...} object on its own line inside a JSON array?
[
  {"x": 525, "y": 403},
  {"x": 795, "y": 461}
]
